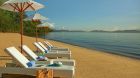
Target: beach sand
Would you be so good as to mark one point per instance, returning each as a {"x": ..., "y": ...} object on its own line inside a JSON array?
[{"x": 89, "y": 63}]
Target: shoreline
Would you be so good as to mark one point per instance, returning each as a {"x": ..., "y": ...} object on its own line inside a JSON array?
[
  {"x": 89, "y": 63},
  {"x": 120, "y": 54},
  {"x": 110, "y": 53}
]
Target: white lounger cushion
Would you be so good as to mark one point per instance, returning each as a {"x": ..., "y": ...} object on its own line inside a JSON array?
[
  {"x": 38, "y": 46},
  {"x": 18, "y": 56},
  {"x": 51, "y": 47},
  {"x": 29, "y": 52},
  {"x": 54, "y": 50},
  {"x": 54, "y": 54},
  {"x": 34, "y": 56},
  {"x": 48, "y": 44},
  {"x": 43, "y": 46},
  {"x": 63, "y": 71},
  {"x": 44, "y": 50}
]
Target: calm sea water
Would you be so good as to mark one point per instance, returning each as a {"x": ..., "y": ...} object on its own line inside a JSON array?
[{"x": 127, "y": 44}]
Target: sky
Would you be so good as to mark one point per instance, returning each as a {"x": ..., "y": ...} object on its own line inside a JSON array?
[{"x": 92, "y": 14}]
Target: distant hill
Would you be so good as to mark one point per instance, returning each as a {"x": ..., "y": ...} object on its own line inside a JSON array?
[
  {"x": 98, "y": 31},
  {"x": 128, "y": 31},
  {"x": 118, "y": 31}
]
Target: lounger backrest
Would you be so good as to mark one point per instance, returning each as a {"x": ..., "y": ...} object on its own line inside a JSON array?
[
  {"x": 43, "y": 46},
  {"x": 49, "y": 44},
  {"x": 29, "y": 52},
  {"x": 39, "y": 47},
  {"x": 18, "y": 56}
]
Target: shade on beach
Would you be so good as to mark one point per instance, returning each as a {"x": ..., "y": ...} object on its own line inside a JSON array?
[
  {"x": 35, "y": 18},
  {"x": 21, "y": 6}
]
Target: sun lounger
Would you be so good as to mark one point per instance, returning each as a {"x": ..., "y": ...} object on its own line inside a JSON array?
[
  {"x": 51, "y": 47},
  {"x": 49, "y": 44},
  {"x": 61, "y": 71},
  {"x": 51, "y": 50},
  {"x": 53, "y": 54},
  {"x": 29, "y": 52}
]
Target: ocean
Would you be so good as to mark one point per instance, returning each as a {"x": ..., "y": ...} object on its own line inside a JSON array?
[{"x": 127, "y": 44}]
